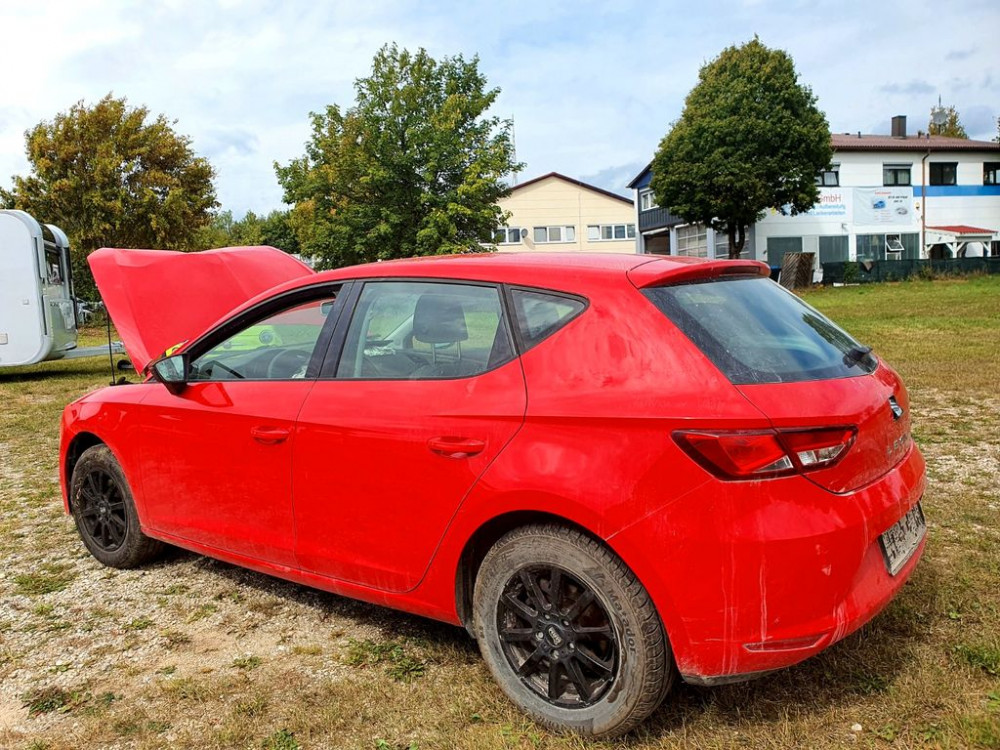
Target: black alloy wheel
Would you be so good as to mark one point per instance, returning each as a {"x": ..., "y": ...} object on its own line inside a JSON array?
[
  {"x": 102, "y": 505},
  {"x": 568, "y": 631},
  {"x": 101, "y": 509},
  {"x": 557, "y": 637}
]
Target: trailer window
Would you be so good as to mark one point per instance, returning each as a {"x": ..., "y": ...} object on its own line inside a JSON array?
[{"x": 53, "y": 265}]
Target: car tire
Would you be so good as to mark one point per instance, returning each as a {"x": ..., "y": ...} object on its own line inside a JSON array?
[
  {"x": 104, "y": 511},
  {"x": 569, "y": 632}
]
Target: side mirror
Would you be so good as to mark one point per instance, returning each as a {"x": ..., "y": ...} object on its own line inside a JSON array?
[{"x": 172, "y": 372}]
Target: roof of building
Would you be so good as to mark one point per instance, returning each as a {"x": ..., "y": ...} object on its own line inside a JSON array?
[
  {"x": 863, "y": 142},
  {"x": 578, "y": 183},
  {"x": 962, "y": 229},
  {"x": 639, "y": 176}
]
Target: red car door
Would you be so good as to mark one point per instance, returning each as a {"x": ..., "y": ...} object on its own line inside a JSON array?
[
  {"x": 426, "y": 394},
  {"x": 217, "y": 458}
]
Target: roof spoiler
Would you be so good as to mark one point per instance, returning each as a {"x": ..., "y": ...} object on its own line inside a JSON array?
[{"x": 679, "y": 270}]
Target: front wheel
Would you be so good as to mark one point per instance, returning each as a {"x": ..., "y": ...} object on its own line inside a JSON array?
[
  {"x": 569, "y": 633},
  {"x": 105, "y": 515}
]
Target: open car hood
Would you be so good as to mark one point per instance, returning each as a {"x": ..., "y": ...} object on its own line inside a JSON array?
[{"x": 159, "y": 298}]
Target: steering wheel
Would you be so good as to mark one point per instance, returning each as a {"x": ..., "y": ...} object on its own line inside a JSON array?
[{"x": 285, "y": 364}]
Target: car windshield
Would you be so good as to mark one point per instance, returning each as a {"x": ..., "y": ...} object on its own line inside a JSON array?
[{"x": 754, "y": 331}]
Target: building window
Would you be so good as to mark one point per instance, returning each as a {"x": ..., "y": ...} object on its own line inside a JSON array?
[
  {"x": 896, "y": 174},
  {"x": 554, "y": 234},
  {"x": 508, "y": 236},
  {"x": 829, "y": 177},
  {"x": 995, "y": 249},
  {"x": 602, "y": 232},
  {"x": 833, "y": 248},
  {"x": 991, "y": 173},
  {"x": 943, "y": 173},
  {"x": 722, "y": 246},
  {"x": 692, "y": 240},
  {"x": 647, "y": 201},
  {"x": 777, "y": 247}
]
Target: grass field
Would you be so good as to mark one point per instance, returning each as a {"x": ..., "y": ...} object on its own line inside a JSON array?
[{"x": 195, "y": 653}]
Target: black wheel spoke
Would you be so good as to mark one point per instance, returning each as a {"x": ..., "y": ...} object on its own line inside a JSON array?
[
  {"x": 588, "y": 659},
  {"x": 520, "y": 608},
  {"x": 585, "y": 599},
  {"x": 554, "y": 688},
  {"x": 530, "y": 581},
  {"x": 595, "y": 630},
  {"x": 517, "y": 635},
  {"x": 530, "y": 665},
  {"x": 576, "y": 677},
  {"x": 88, "y": 511}
]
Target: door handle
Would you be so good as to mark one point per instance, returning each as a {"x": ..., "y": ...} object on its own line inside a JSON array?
[
  {"x": 455, "y": 447},
  {"x": 270, "y": 435}
]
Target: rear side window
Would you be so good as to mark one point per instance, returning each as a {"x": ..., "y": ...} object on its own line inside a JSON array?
[
  {"x": 540, "y": 314},
  {"x": 756, "y": 332}
]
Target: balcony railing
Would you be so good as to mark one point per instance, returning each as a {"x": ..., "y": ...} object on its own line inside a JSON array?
[{"x": 657, "y": 218}]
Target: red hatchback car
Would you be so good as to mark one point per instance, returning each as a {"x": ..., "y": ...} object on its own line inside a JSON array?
[{"x": 612, "y": 470}]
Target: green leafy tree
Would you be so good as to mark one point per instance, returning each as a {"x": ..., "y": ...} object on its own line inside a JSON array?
[
  {"x": 951, "y": 127},
  {"x": 109, "y": 175},
  {"x": 226, "y": 231},
  {"x": 415, "y": 167},
  {"x": 750, "y": 138}
]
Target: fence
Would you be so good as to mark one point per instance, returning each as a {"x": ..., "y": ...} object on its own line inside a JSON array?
[{"x": 850, "y": 272}]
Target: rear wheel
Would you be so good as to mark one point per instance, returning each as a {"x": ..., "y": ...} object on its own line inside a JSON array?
[
  {"x": 569, "y": 633},
  {"x": 104, "y": 511}
]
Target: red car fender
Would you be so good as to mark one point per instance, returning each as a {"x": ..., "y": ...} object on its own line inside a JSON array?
[{"x": 108, "y": 423}]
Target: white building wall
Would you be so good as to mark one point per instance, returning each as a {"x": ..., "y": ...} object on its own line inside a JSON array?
[{"x": 862, "y": 171}]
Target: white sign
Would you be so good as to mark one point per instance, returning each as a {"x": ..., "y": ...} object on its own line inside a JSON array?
[
  {"x": 832, "y": 203},
  {"x": 884, "y": 205}
]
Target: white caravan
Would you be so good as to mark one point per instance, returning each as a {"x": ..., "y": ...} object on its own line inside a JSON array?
[{"x": 37, "y": 307}]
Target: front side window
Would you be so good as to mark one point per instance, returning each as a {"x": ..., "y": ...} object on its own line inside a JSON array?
[
  {"x": 756, "y": 332},
  {"x": 279, "y": 346},
  {"x": 991, "y": 173},
  {"x": 647, "y": 201},
  {"x": 415, "y": 330},
  {"x": 554, "y": 234},
  {"x": 895, "y": 174},
  {"x": 942, "y": 173}
]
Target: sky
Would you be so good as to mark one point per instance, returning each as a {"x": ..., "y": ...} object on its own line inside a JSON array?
[{"x": 592, "y": 87}]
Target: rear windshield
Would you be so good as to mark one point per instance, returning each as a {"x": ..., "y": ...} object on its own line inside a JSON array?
[{"x": 756, "y": 332}]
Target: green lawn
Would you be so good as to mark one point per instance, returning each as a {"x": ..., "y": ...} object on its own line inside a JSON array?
[{"x": 194, "y": 653}]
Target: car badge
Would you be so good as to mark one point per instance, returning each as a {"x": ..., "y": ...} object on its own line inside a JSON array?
[{"x": 897, "y": 410}]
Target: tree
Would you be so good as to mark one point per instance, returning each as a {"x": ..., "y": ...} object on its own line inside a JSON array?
[
  {"x": 750, "y": 138},
  {"x": 225, "y": 231},
  {"x": 108, "y": 175},
  {"x": 415, "y": 167},
  {"x": 950, "y": 127}
]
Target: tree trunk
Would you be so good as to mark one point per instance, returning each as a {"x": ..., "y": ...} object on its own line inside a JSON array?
[{"x": 737, "y": 239}]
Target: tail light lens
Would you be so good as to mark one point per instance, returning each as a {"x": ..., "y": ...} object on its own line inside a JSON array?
[{"x": 767, "y": 453}]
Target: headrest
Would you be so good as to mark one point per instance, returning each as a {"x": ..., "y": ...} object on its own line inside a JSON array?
[{"x": 439, "y": 319}]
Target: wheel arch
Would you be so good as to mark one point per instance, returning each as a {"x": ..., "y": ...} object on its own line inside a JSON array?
[
  {"x": 80, "y": 443},
  {"x": 487, "y": 534}
]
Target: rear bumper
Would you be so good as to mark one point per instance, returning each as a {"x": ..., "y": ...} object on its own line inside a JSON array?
[{"x": 752, "y": 577}]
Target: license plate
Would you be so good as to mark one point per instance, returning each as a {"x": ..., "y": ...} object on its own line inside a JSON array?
[{"x": 900, "y": 541}]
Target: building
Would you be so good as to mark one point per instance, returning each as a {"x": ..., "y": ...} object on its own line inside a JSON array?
[
  {"x": 885, "y": 197},
  {"x": 557, "y": 213}
]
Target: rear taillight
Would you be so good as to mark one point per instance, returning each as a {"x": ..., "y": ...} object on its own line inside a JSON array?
[{"x": 766, "y": 453}]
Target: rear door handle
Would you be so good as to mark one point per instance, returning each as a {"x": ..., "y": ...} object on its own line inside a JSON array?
[
  {"x": 455, "y": 447},
  {"x": 270, "y": 435}
]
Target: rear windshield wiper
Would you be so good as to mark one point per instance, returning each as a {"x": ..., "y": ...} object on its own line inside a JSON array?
[{"x": 856, "y": 355}]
